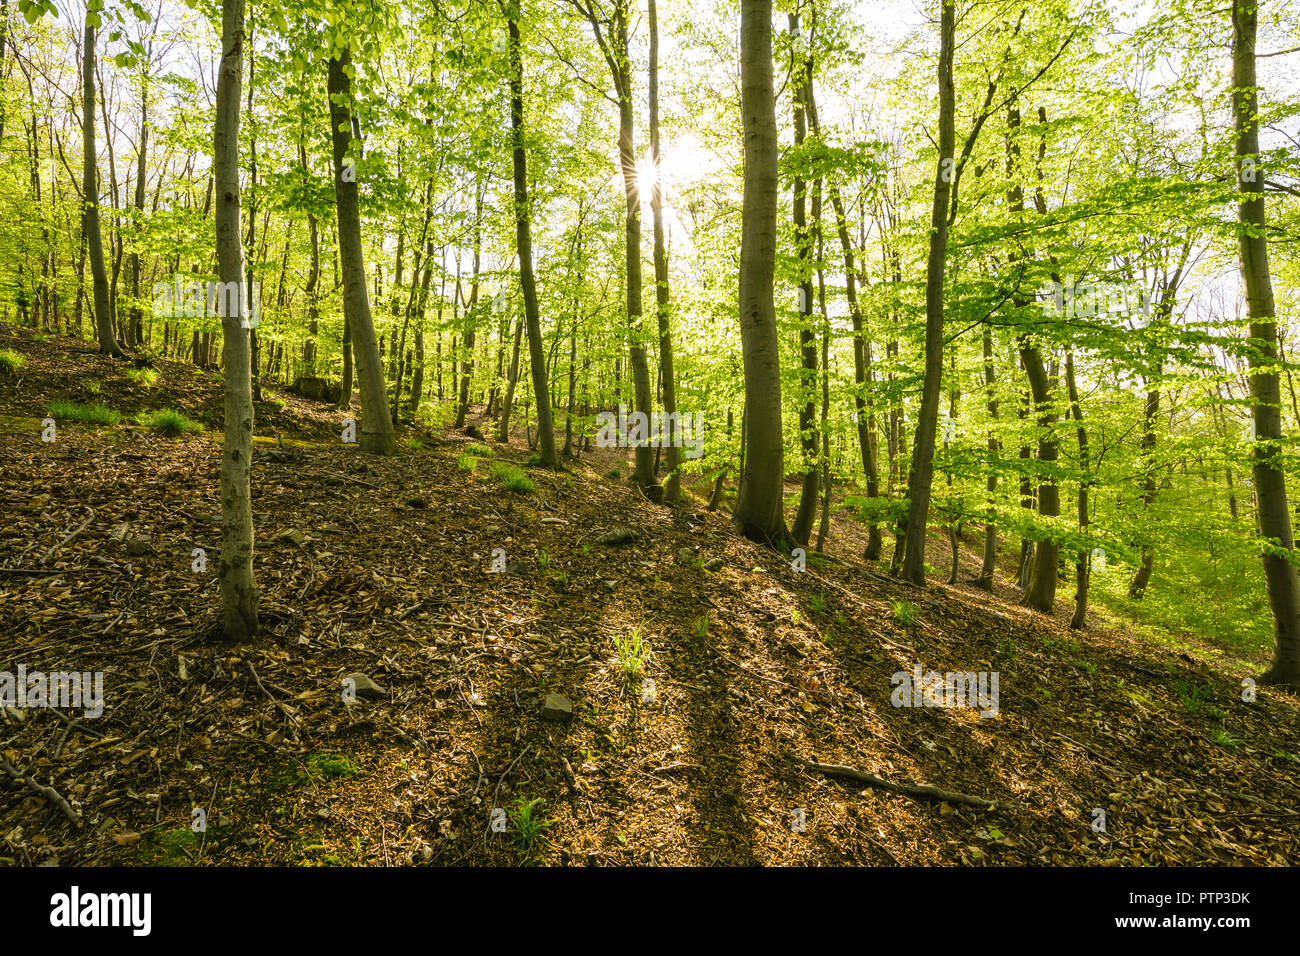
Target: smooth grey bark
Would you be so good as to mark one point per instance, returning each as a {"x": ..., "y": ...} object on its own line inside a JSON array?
[
  {"x": 801, "y": 79},
  {"x": 508, "y": 401},
  {"x": 90, "y": 194},
  {"x": 667, "y": 369},
  {"x": 987, "y": 567},
  {"x": 922, "y": 473},
  {"x": 759, "y": 513},
  {"x": 1083, "y": 562},
  {"x": 239, "y": 594},
  {"x": 376, "y": 426},
  {"x": 614, "y": 47},
  {"x": 1266, "y": 396},
  {"x": 471, "y": 307},
  {"x": 524, "y": 244}
]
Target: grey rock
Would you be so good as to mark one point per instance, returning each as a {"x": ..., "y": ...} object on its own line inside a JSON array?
[
  {"x": 366, "y": 688},
  {"x": 556, "y": 707},
  {"x": 685, "y": 555},
  {"x": 138, "y": 546},
  {"x": 713, "y": 564},
  {"x": 617, "y": 536}
]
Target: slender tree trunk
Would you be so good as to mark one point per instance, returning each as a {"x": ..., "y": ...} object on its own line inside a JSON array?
[
  {"x": 524, "y": 242},
  {"x": 1027, "y": 499},
  {"x": 1083, "y": 563},
  {"x": 637, "y": 363},
  {"x": 471, "y": 308},
  {"x": 507, "y": 402},
  {"x": 90, "y": 192},
  {"x": 1040, "y": 592},
  {"x": 376, "y": 425},
  {"x": 988, "y": 566},
  {"x": 801, "y": 73},
  {"x": 136, "y": 317},
  {"x": 759, "y": 513},
  {"x": 1266, "y": 397},
  {"x": 239, "y": 595},
  {"x": 672, "y": 488},
  {"x": 1138, "y": 586},
  {"x": 823, "y": 528},
  {"x": 922, "y": 472}
]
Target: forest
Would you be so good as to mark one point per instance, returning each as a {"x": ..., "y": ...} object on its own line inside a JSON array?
[{"x": 649, "y": 432}]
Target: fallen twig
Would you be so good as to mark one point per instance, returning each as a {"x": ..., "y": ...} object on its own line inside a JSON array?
[
  {"x": 49, "y": 793},
  {"x": 68, "y": 537},
  {"x": 918, "y": 790}
]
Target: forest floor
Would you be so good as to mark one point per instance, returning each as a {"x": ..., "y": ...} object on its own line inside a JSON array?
[{"x": 382, "y": 566}]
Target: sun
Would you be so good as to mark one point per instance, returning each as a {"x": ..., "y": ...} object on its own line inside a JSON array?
[{"x": 647, "y": 175}]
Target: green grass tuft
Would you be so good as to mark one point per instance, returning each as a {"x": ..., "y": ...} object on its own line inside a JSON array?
[
  {"x": 512, "y": 478},
  {"x": 145, "y": 377},
  {"x": 633, "y": 652},
  {"x": 530, "y": 825},
  {"x": 169, "y": 421},
  {"x": 11, "y": 363},
  {"x": 904, "y": 613},
  {"x": 98, "y": 414}
]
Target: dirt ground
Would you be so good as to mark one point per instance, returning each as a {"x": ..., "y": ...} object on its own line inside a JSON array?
[{"x": 382, "y": 566}]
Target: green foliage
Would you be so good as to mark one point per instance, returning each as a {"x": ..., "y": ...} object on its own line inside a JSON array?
[
  {"x": 512, "y": 478},
  {"x": 331, "y": 766},
  {"x": 530, "y": 824},
  {"x": 169, "y": 421},
  {"x": 633, "y": 652},
  {"x": 1224, "y": 739},
  {"x": 905, "y": 614},
  {"x": 466, "y": 462},
  {"x": 1196, "y": 700},
  {"x": 482, "y": 451},
  {"x": 145, "y": 377},
  {"x": 97, "y": 414},
  {"x": 11, "y": 363}
]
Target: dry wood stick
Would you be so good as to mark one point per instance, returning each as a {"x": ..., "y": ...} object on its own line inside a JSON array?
[
  {"x": 917, "y": 790},
  {"x": 67, "y": 537},
  {"x": 48, "y": 793}
]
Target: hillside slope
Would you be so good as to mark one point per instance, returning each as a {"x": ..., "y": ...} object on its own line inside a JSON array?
[{"x": 383, "y": 567}]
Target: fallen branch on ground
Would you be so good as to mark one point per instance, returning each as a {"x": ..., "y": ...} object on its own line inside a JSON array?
[
  {"x": 68, "y": 537},
  {"x": 917, "y": 790},
  {"x": 49, "y": 793}
]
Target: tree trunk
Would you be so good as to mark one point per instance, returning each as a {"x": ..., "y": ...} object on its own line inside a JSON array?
[
  {"x": 90, "y": 193},
  {"x": 471, "y": 309},
  {"x": 239, "y": 594},
  {"x": 1266, "y": 397},
  {"x": 801, "y": 74},
  {"x": 313, "y": 280},
  {"x": 987, "y": 568},
  {"x": 644, "y": 455},
  {"x": 673, "y": 486},
  {"x": 376, "y": 426},
  {"x": 345, "y": 387},
  {"x": 922, "y": 473},
  {"x": 136, "y": 317},
  {"x": 759, "y": 513},
  {"x": 823, "y": 529},
  {"x": 507, "y": 403},
  {"x": 1083, "y": 563},
  {"x": 524, "y": 242}
]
